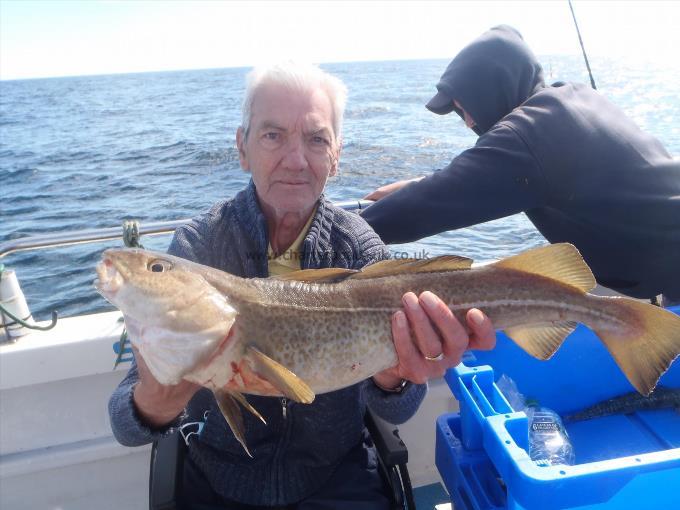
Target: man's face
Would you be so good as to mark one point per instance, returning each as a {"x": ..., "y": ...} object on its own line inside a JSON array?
[
  {"x": 290, "y": 148},
  {"x": 469, "y": 121}
]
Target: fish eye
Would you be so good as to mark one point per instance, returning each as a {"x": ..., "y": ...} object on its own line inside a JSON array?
[{"x": 159, "y": 266}]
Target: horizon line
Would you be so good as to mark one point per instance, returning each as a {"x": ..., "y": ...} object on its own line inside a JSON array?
[{"x": 158, "y": 71}]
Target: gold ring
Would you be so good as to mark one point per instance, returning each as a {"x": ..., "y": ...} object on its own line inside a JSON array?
[{"x": 435, "y": 358}]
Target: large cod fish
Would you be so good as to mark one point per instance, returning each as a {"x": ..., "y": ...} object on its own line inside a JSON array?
[{"x": 315, "y": 331}]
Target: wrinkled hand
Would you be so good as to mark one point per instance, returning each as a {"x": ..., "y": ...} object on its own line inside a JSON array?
[
  {"x": 157, "y": 404},
  {"x": 388, "y": 189},
  {"x": 433, "y": 331}
]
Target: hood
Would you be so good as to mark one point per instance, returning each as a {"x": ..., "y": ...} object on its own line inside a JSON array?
[{"x": 489, "y": 78}]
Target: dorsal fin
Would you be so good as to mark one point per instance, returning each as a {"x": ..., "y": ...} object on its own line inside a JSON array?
[
  {"x": 405, "y": 266},
  {"x": 561, "y": 262},
  {"x": 380, "y": 269},
  {"x": 328, "y": 275}
]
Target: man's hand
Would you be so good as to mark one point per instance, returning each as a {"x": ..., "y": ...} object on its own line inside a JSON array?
[
  {"x": 435, "y": 340},
  {"x": 388, "y": 189},
  {"x": 157, "y": 404}
]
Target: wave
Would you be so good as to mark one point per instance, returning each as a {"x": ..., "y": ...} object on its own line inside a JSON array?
[
  {"x": 68, "y": 157},
  {"x": 369, "y": 112},
  {"x": 17, "y": 175}
]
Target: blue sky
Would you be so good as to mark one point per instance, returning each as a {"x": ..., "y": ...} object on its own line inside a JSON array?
[{"x": 65, "y": 38}]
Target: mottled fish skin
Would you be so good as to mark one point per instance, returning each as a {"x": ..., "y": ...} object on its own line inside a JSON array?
[
  {"x": 629, "y": 403},
  {"x": 333, "y": 335}
]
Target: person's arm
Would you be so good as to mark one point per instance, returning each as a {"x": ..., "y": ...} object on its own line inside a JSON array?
[
  {"x": 127, "y": 427},
  {"x": 388, "y": 189},
  {"x": 497, "y": 177}
]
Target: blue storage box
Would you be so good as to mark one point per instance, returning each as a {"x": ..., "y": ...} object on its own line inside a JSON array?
[
  {"x": 622, "y": 461},
  {"x": 469, "y": 475}
]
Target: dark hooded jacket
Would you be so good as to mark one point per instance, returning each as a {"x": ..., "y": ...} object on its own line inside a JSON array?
[{"x": 581, "y": 170}]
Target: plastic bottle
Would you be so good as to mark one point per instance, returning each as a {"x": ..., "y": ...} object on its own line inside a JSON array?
[{"x": 549, "y": 443}]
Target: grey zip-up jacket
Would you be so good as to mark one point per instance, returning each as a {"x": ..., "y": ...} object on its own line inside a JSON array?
[{"x": 301, "y": 445}]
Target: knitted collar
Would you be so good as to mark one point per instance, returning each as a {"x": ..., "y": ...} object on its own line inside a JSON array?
[{"x": 316, "y": 248}]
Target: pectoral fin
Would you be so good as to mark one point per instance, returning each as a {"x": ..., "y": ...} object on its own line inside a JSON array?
[
  {"x": 280, "y": 377},
  {"x": 541, "y": 340},
  {"x": 232, "y": 413},
  {"x": 242, "y": 400}
]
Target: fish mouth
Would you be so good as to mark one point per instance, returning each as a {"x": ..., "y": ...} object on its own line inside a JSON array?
[{"x": 109, "y": 279}]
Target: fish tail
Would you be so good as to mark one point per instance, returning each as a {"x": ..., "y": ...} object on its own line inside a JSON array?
[{"x": 646, "y": 345}]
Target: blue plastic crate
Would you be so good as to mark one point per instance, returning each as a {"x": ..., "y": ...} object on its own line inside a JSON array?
[
  {"x": 469, "y": 475},
  {"x": 622, "y": 461}
]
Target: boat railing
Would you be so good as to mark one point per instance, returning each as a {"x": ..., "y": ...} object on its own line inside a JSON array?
[{"x": 106, "y": 234}]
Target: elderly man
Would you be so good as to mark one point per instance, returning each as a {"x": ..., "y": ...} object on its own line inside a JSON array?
[{"x": 308, "y": 456}]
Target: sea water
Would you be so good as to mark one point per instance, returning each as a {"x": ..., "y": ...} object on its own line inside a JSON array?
[{"x": 86, "y": 152}]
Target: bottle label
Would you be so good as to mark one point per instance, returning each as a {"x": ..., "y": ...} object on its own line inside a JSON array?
[{"x": 544, "y": 425}]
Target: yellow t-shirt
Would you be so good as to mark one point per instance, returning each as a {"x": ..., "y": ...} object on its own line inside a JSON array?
[{"x": 291, "y": 259}]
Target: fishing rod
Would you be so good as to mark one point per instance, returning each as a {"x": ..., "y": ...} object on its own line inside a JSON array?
[{"x": 578, "y": 32}]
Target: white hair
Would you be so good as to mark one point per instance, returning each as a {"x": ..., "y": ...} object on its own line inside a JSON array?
[{"x": 296, "y": 76}]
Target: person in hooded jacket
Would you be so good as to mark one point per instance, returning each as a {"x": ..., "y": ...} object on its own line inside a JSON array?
[{"x": 581, "y": 170}]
